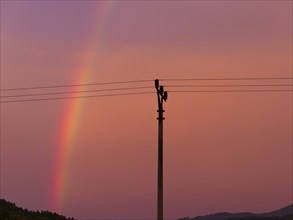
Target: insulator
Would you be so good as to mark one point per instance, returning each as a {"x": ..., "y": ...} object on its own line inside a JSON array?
[
  {"x": 165, "y": 96},
  {"x": 161, "y": 90}
]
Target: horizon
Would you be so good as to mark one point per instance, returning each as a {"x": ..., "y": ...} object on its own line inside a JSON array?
[
  {"x": 210, "y": 214},
  {"x": 227, "y": 67}
]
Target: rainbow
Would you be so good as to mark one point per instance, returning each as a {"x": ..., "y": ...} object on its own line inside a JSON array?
[{"x": 74, "y": 108}]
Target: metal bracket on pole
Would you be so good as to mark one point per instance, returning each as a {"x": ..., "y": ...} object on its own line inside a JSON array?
[{"x": 162, "y": 96}]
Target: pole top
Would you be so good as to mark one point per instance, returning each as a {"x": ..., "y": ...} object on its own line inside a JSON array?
[
  {"x": 157, "y": 84},
  {"x": 160, "y": 90}
]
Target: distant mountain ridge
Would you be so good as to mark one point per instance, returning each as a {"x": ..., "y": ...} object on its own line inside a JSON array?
[{"x": 288, "y": 210}]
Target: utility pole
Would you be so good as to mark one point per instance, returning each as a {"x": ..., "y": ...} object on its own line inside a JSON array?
[{"x": 162, "y": 96}]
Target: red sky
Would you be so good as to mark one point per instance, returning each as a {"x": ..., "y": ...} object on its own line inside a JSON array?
[{"x": 222, "y": 151}]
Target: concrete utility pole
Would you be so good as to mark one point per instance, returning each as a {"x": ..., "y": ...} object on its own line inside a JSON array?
[{"x": 162, "y": 96}]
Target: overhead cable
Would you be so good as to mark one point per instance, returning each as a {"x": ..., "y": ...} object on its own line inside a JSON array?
[
  {"x": 228, "y": 78},
  {"x": 244, "y": 90},
  {"x": 75, "y": 85},
  {"x": 75, "y": 92},
  {"x": 75, "y": 97},
  {"x": 230, "y": 85}
]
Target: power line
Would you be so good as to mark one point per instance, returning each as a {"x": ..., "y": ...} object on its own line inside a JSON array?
[
  {"x": 238, "y": 85},
  {"x": 140, "y": 93},
  {"x": 244, "y": 90},
  {"x": 228, "y": 78},
  {"x": 74, "y": 92},
  {"x": 136, "y": 88},
  {"x": 141, "y": 87},
  {"x": 76, "y": 97},
  {"x": 76, "y": 85},
  {"x": 142, "y": 81}
]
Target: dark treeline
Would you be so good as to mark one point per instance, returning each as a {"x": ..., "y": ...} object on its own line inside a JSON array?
[{"x": 9, "y": 211}]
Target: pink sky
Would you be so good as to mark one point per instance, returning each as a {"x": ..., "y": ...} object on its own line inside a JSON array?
[{"x": 222, "y": 151}]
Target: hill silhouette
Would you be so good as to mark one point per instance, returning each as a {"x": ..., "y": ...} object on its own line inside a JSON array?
[
  {"x": 9, "y": 211},
  {"x": 285, "y": 213}
]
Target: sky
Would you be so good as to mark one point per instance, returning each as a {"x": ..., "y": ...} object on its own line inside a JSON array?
[{"x": 96, "y": 158}]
